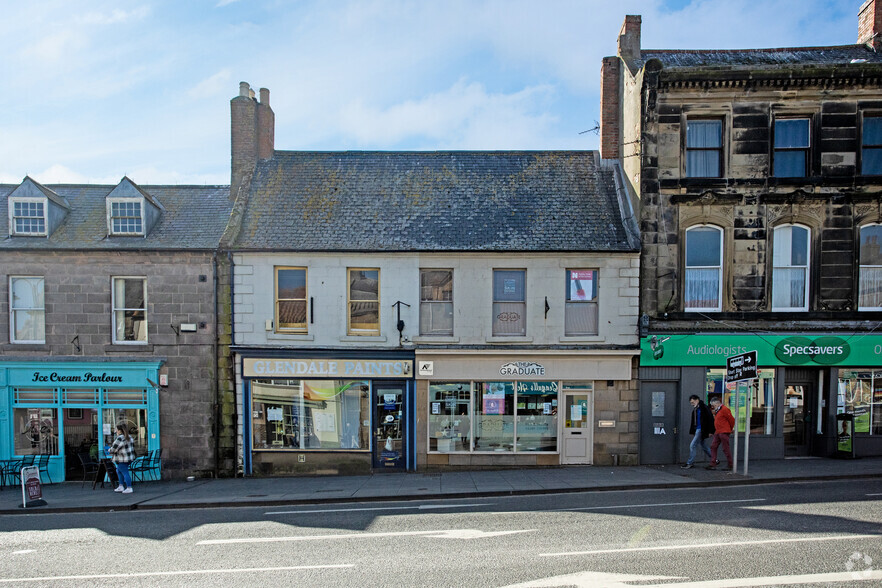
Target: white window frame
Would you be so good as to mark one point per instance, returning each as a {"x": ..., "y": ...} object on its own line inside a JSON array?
[
  {"x": 18, "y": 200},
  {"x": 114, "y": 309},
  {"x": 350, "y": 330},
  {"x": 110, "y": 217},
  {"x": 575, "y": 303},
  {"x": 424, "y": 330},
  {"x": 494, "y": 302},
  {"x": 861, "y": 267},
  {"x": 13, "y": 309},
  {"x": 277, "y": 301},
  {"x": 807, "y": 266},
  {"x": 719, "y": 268}
]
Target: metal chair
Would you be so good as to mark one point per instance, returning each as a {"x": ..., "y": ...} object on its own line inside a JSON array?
[
  {"x": 42, "y": 461},
  {"x": 145, "y": 464},
  {"x": 90, "y": 466}
]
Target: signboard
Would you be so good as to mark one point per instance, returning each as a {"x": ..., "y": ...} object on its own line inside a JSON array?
[
  {"x": 31, "y": 487},
  {"x": 845, "y": 434},
  {"x": 741, "y": 367},
  {"x": 326, "y": 368},
  {"x": 427, "y": 368},
  {"x": 772, "y": 350},
  {"x": 522, "y": 368}
]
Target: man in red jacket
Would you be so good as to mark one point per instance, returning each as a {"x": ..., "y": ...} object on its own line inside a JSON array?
[{"x": 723, "y": 423}]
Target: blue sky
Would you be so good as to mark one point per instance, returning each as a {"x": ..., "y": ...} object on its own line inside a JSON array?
[{"x": 94, "y": 90}]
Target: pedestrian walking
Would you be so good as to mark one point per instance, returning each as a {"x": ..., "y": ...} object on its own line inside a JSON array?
[
  {"x": 723, "y": 423},
  {"x": 123, "y": 453},
  {"x": 701, "y": 428}
]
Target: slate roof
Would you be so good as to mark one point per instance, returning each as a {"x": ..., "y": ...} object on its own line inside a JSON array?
[
  {"x": 193, "y": 217},
  {"x": 434, "y": 201},
  {"x": 758, "y": 58}
]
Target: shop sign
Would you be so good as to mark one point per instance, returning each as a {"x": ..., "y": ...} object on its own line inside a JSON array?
[
  {"x": 522, "y": 368},
  {"x": 93, "y": 375},
  {"x": 772, "y": 350},
  {"x": 537, "y": 387},
  {"x": 325, "y": 368}
]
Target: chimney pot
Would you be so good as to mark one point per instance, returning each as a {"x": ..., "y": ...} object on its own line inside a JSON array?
[
  {"x": 251, "y": 93},
  {"x": 244, "y": 88},
  {"x": 264, "y": 96}
]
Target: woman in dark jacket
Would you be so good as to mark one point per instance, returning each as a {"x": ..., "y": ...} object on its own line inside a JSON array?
[{"x": 701, "y": 427}]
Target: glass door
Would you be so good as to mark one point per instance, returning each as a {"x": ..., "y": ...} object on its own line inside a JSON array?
[
  {"x": 798, "y": 419},
  {"x": 389, "y": 425}
]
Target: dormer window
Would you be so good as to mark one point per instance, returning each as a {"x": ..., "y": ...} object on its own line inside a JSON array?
[
  {"x": 27, "y": 216},
  {"x": 126, "y": 217}
]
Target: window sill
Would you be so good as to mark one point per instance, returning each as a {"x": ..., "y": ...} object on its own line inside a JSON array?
[
  {"x": 511, "y": 339},
  {"x": 289, "y": 337},
  {"x": 580, "y": 338},
  {"x": 435, "y": 339},
  {"x": 133, "y": 348},
  {"x": 362, "y": 338},
  {"x": 24, "y": 347}
]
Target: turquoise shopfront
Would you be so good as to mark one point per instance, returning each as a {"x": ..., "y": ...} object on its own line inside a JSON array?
[
  {"x": 70, "y": 410},
  {"x": 806, "y": 382}
]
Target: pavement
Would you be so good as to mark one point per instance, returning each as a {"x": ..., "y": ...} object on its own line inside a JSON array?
[{"x": 227, "y": 492}]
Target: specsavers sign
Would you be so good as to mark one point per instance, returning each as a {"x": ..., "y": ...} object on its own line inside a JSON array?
[{"x": 808, "y": 350}]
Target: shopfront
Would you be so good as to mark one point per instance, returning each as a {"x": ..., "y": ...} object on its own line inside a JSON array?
[
  {"x": 70, "y": 410},
  {"x": 331, "y": 414},
  {"x": 804, "y": 382},
  {"x": 504, "y": 409}
]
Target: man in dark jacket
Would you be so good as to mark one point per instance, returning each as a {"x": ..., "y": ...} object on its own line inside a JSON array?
[{"x": 701, "y": 428}]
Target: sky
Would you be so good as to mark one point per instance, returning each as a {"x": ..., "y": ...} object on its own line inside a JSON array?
[{"x": 93, "y": 90}]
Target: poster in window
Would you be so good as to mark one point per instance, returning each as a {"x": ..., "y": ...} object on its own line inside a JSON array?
[
  {"x": 494, "y": 399},
  {"x": 509, "y": 286},
  {"x": 274, "y": 414},
  {"x": 581, "y": 285}
]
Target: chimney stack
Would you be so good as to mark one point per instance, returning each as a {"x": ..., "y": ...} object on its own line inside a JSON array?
[
  {"x": 629, "y": 37},
  {"x": 610, "y": 107},
  {"x": 252, "y": 132},
  {"x": 870, "y": 23}
]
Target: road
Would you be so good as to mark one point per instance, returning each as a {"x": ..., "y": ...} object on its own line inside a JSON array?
[{"x": 810, "y": 534}]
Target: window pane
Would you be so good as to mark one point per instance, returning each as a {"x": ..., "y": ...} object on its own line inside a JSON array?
[
  {"x": 436, "y": 318},
  {"x": 537, "y": 416},
  {"x": 494, "y": 416},
  {"x": 762, "y": 410},
  {"x": 436, "y": 285},
  {"x": 871, "y": 161},
  {"x": 788, "y": 288},
  {"x": 870, "y": 288},
  {"x": 872, "y": 131},
  {"x": 36, "y": 431},
  {"x": 292, "y": 283},
  {"x": 292, "y": 314},
  {"x": 130, "y": 293},
  {"x": 799, "y": 250},
  {"x": 703, "y": 247},
  {"x": 855, "y": 396},
  {"x": 702, "y": 288},
  {"x": 509, "y": 318},
  {"x": 871, "y": 245},
  {"x": 703, "y": 164},
  {"x": 509, "y": 285},
  {"x": 27, "y": 293},
  {"x": 29, "y": 325},
  {"x": 131, "y": 325},
  {"x": 364, "y": 316},
  {"x": 135, "y": 421},
  {"x": 581, "y": 285},
  {"x": 791, "y": 133},
  {"x": 704, "y": 133},
  {"x": 449, "y": 421},
  {"x": 789, "y": 164},
  {"x": 790, "y": 246},
  {"x": 364, "y": 284},
  {"x": 580, "y": 318}
]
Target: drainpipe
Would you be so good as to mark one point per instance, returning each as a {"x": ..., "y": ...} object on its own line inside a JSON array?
[{"x": 217, "y": 399}]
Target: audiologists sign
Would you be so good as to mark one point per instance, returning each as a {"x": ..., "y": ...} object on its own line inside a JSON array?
[{"x": 772, "y": 350}]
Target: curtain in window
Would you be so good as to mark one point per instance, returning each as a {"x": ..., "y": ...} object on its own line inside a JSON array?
[
  {"x": 702, "y": 288},
  {"x": 870, "y": 285},
  {"x": 703, "y": 144},
  {"x": 788, "y": 289}
]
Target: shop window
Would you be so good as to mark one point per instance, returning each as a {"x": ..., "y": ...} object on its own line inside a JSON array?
[
  {"x": 509, "y": 303},
  {"x": 703, "y": 281},
  {"x": 310, "y": 414},
  {"x": 36, "y": 431},
  {"x": 27, "y": 216},
  {"x": 870, "y": 278},
  {"x": 536, "y": 407},
  {"x": 494, "y": 416},
  {"x": 125, "y": 217},
  {"x": 704, "y": 148},
  {"x": 364, "y": 301},
  {"x": 871, "y": 146},
  {"x": 129, "y": 310},
  {"x": 27, "y": 309},
  {"x": 290, "y": 300},
  {"x": 762, "y": 410},
  {"x": 790, "y": 266},
  {"x": 450, "y": 423},
  {"x": 860, "y": 394},
  {"x": 436, "y": 302},
  {"x": 135, "y": 422},
  {"x": 580, "y": 313},
  {"x": 791, "y": 155}
]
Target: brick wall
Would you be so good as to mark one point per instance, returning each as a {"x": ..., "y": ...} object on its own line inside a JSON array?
[
  {"x": 610, "y": 100},
  {"x": 869, "y": 21}
]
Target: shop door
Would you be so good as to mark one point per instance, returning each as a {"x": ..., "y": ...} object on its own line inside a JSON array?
[
  {"x": 658, "y": 422},
  {"x": 577, "y": 433},
  {"x": 389, "y": 425},
  {"x": 799, "y": 419}
]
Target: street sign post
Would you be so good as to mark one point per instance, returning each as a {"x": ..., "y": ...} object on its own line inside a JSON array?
[{"x": 739, "y": 368}]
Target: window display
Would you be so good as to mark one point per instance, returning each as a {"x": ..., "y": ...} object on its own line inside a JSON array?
[
  {"x": 537, "y": 416},
  {"x": 449, "y": 417},
  {"x": 860, "y": 394},
  {"x": 762, "y": 411},
  {"x": 36, "y": 431}
]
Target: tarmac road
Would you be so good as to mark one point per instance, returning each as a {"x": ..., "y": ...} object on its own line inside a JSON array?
[{"x": 818, "y": 533}]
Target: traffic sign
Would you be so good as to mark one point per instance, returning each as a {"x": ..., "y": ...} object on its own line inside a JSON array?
[{"x": 741, "y": 367}]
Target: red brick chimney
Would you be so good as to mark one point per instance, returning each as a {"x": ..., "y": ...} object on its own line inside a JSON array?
[
  {"x": 252, "y": 133},
  {"x": 610, "y": 107},
  {"x": 629, "y": 37},
  {"x": 870, "y": 23}
]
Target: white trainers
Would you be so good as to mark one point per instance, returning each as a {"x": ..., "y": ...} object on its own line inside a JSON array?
[
  {"x": 119, "y": 489},
  {"x": 127, "y": 491}
]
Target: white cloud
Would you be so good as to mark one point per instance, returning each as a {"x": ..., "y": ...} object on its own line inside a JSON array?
[
  {"x": 217, "y": 84},
  {"x": 222, "y": 3},
  {"x": 114, "y": 16}
]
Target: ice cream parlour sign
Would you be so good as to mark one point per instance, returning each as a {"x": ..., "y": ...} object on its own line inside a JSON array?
[
  {"x": 522, "y": 368},
  {"x": 326, "y": 368}
]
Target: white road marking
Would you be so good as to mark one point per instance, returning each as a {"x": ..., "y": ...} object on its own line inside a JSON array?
[
  {"x": 421, "y": 507},
  {"x": 22, "y": 551},
  {"x": 660, "y": 504},
  {"x": 712, "y": 545},
  {"x": 173, "y": 573},
  {"x": 589, "y": 579},
  {"x": 443, "y": 534},
  {"x": 879, "y": 494}
]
